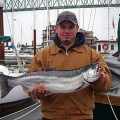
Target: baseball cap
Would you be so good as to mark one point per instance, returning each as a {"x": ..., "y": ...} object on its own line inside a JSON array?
[{"x": 67, "y": 15}]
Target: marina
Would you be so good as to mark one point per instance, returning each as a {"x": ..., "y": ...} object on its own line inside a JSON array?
[{"x": 15, "y": 61}]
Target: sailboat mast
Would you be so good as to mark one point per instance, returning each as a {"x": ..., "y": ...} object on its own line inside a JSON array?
[
  {"x": 1, "y": 32},
  {"x": 12, "y": 40},
  {"x": 79, "y": 14},
  {"x": 118, "y": 34},
  {"x": 48, "y": 23},
  {"x": 108, "y": 29},
  {"x": 34, "y": 31}
]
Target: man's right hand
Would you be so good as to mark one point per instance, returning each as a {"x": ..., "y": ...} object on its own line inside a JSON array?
[{"x": 41, "y": 88}]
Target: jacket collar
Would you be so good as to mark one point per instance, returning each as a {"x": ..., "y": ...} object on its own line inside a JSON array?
[
  {"x": 79, "y": 41},
  {"x": 55, "y": 49}
]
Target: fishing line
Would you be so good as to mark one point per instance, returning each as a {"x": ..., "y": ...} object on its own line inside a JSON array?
[{"x": 111, "y": 106}]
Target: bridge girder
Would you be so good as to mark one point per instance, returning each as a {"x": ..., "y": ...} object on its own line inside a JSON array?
[{"x": 28, "y": 5}]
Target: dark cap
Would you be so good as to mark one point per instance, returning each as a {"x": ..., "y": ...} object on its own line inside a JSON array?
[{"x": 67, "y": 15}]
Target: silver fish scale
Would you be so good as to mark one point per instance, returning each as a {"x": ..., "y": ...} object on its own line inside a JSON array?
[
  {"x": 55, "y": 81},
  {"x": 52, "y": 83},
  {"x": 64, "y": 85}
]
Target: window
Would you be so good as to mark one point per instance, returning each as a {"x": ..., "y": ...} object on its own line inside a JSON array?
[
  {"x": 99, "y": 47},
  {"x": 112, "y": 47}
]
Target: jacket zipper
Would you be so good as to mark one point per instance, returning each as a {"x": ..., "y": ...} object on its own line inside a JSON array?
[{"x": 66, "y": 52}]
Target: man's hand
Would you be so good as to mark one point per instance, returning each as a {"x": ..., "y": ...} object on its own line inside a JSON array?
[
  {"x": 101, "y": 71},
  {"x": 40, "y": 88}
]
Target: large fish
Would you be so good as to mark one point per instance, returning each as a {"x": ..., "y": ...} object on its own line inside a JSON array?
[{"x": 55, "y": 81}]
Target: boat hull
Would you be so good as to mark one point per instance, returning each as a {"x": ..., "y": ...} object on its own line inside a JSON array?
[
  {"x": 104, "y": 112},
  {"x": 16, "y": 99},
  {"x": 107, "y": 105},
  {"x": 10, "y": 107},
  {"x": 103, "y": 109}
]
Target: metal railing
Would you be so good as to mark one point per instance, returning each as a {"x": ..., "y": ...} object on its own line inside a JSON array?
[{"x": 27, "y": 5}]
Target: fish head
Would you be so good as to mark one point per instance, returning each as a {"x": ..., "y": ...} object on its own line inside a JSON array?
[{"x": 90, "y": 74}]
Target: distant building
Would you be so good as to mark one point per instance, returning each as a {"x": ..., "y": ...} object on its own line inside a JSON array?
[
  {"x": 102, "y": 46},
  {"x": 106, "y": 46},
  {"x": 51, "y": 34},
  {"x": 89, "y": 38}
]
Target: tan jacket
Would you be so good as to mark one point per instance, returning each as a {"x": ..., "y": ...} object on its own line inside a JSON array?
[{"x": 72, "y": 106}]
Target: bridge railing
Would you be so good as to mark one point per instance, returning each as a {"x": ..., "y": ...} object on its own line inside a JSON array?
[{"x": 26, "y": 5}]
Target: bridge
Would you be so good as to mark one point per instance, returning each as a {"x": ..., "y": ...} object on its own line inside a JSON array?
[{"x": 28, "y": 5}]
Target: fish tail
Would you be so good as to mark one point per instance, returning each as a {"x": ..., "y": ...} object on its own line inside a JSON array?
[{"x": 5, "y": 88}]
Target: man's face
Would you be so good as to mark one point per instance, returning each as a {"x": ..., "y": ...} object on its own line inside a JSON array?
[{"x": 66, "y": 31}]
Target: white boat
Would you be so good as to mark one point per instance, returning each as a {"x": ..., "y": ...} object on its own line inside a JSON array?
[
  {"x": 16, "y": 98},
  {"x": 11, "y": 58}
]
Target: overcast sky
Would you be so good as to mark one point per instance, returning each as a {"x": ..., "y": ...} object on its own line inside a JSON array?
[{"x": 95, "y": 20}]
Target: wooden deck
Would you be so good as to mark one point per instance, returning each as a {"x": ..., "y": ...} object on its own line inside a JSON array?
[{"x": 103, "y": 99}]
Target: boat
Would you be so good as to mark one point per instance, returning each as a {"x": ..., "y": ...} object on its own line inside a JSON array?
[
  {"x": 16, "y": 99},
  {"x": 31, "y": 112},
  {"x": 107, "y": 105},
  {"x": 10, "y": 57}
]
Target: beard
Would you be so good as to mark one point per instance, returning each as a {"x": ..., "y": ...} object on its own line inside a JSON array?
[{"x": 66, "y": 42}]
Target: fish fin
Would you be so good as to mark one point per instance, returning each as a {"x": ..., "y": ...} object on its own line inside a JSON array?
[
  {"x": 49, "y": 69},
  {"x": 5, "y": 88},
  {"x": 25, "y": 89},
  {"x": 48, "y": 93}
]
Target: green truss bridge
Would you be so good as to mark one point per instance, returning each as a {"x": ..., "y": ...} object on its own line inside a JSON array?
[{"x": 28, "y": 5}]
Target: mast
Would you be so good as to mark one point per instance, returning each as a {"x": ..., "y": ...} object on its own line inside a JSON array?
[
  {"x": 118, "y": 33},
  {"x": 108, "y": 29},
  {"x": 34, "y": 31},
  {"x": 12, "y": 40},
  {"x": 83, "y": 18},
  {"x": 1, "y": 32},
  {"x": 48, "y": 24},
  {"x": 79, "y": 14}
]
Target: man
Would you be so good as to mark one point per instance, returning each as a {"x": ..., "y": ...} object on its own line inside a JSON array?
[{"x": 68, "y": 52}]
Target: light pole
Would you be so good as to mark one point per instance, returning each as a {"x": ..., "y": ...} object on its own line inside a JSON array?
[{"x": 1, "y": 32}]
